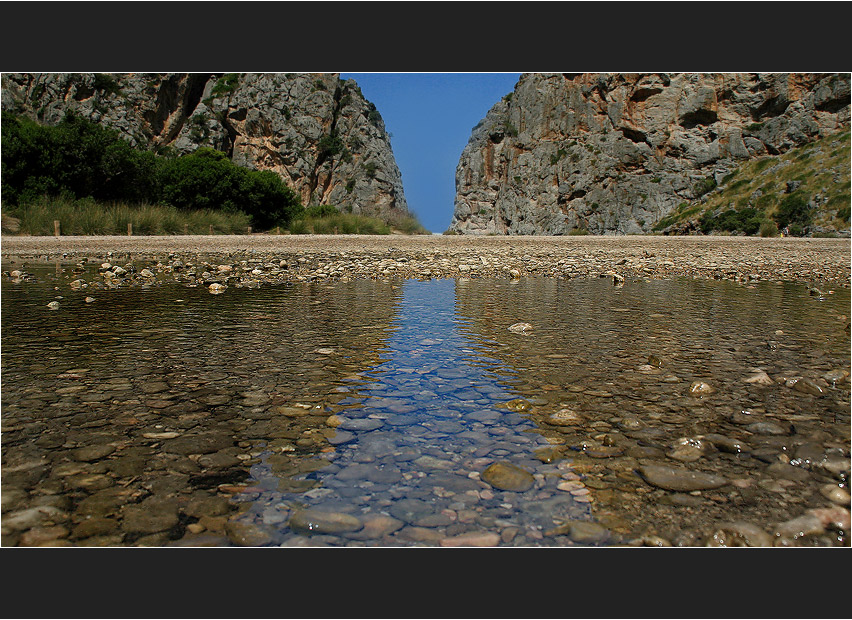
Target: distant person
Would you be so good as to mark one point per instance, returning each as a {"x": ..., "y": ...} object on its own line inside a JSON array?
[{"x": 785, "y": 232}]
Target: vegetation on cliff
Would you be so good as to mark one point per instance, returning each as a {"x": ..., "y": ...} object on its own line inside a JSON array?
[
  {"x": 806, "y": 190},
  {"x": 93, "y": 182},
  {"x": 317, "y": 132},
  {"x": 638, "y": 153},
  {"x": 78, "y": 159}
]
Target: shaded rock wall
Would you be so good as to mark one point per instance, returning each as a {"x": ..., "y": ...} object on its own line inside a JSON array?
[
  {"x": 615, "y": 153},
  {"x": 317, "y": 131}
]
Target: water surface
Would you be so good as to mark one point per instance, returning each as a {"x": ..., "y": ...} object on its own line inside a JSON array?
[{"x": 166, "y": 415}]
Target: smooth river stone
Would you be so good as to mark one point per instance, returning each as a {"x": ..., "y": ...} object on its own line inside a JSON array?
[
  {"x": 341, "y": 437},
  {"x": 472, "y": 539},
  {"x": 699, "y": 389},
  {"x": 727, "y": 444},
  {"x": 566, "y": 417},
  {"x": 376, "y": 526},
  {"x": 92, "y": 453},
  {"x": 150, "y": 516},
  {"x": 679, "y": 479},
  {"x": 583, "y": 532},
  {"x": 739, "y": 534},
  {"x": 805, "y": 386},
  {"x": 508, "y": 477},
  {"x": 202, "y": 443},
  {"x": 248, "y": 534},
  {"x": 360, "y": 424},
  {"x": 310, "y": 521}
]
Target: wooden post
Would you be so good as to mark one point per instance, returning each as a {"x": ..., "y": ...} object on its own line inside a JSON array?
[
  {"x": 186, "y": 229},
  {"x": 129, "y": 229},
  {"x": 56, "y": 228},
  {"x": 277, "y": 230},
  {"x": 249, "y": 230},
  {"x": 211, "y": 229}
]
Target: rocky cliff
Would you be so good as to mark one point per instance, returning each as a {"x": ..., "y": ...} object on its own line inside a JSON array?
[
  {"x": 317, "y": 131},
  {"x": 616, "y": 153}
]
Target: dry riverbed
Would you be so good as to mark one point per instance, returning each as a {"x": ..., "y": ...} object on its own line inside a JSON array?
[{"x": 249, "y": 260}]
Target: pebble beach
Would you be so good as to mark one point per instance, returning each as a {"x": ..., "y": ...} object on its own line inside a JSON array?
[{"x": 287, "y": 258}]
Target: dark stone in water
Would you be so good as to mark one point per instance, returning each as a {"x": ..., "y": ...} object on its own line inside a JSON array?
[
  {"x": 203, "y": 443},
  {"x": 228, "y": 476}
]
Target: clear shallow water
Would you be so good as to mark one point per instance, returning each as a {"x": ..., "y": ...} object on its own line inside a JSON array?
[{"x": 167, "y": 415}]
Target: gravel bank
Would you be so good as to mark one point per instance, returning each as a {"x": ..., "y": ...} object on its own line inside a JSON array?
[{"x": 308, "y": 257}]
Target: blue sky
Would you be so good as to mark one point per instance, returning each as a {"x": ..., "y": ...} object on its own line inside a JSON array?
[{"x": 430, "y": 117}]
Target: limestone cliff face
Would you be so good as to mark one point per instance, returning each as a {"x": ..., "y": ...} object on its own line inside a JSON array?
[
  {"x": 615, "y": 153},
  {"x": 317, "y": 131}
]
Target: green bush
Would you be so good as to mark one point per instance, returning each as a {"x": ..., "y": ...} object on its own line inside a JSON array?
[
  {"x": 793, "y": 210},
  {"x": 106, "y": 83},
  {"x": 80, "y": 159},
  {"x": 747, "y": 221},
  {"x": 406, "y": 223},
  {"x": 704, "y": 186},
  {"x": 299, "y": 227},
  {"x": 207, "y": 179},
  {"x": 768, "y": 228},
  {"x": 77, "y": 157},
  {"x": 329, "y": 146},
  {"x": 226, "y": 84},
  {"x": 321, "y": 211},
  {"x": 796, "y": 230}
]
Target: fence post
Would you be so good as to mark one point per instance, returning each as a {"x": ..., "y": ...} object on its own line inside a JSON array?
[
  {"x": 249, "y": 230},
  {"x": 186, "y": 229},
  {"x": 129, "y": 229},
  {"x": 56, "y": 228},
  {"x": 211, "y": 229},
  {"x": 277, "y": 230}
]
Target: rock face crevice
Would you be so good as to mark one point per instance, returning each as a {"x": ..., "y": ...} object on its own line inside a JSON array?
[
  {"x": 316, "y": 131},
  {"x": 616, "y": 153}
]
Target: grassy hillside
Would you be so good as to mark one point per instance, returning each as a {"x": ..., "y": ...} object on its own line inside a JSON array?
[{"x": 806, "y": 189}]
